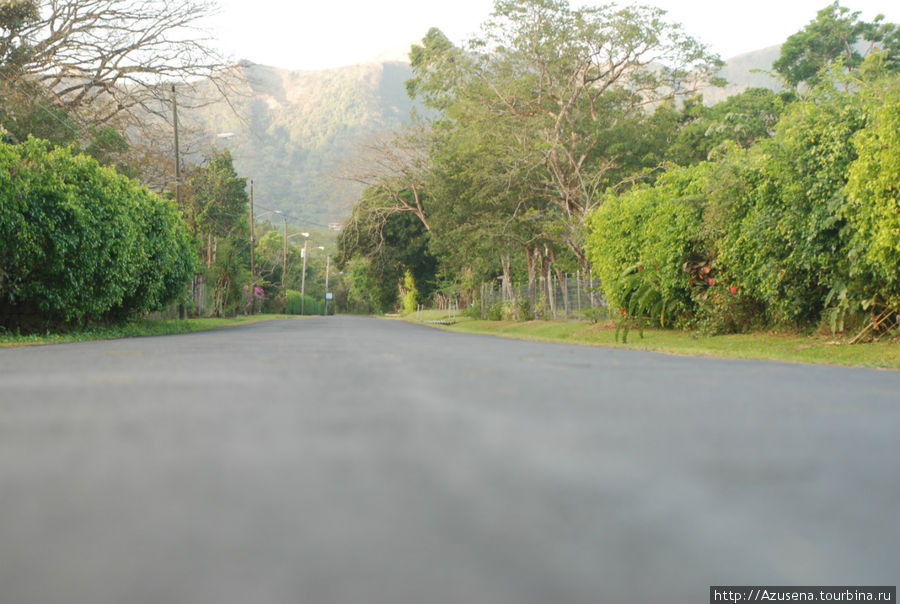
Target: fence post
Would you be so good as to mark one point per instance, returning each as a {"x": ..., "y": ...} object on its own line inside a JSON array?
[
  {"x": 578, "y": 288},
  {"x": 591, "y": 287}
]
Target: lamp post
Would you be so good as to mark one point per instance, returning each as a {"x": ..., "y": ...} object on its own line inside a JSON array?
[
  {"x": 303, "y": 277},
  {"x": 327, "y": 268}
]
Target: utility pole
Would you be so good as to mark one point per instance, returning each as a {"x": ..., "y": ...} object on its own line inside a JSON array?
[
  {"x": 182, "y": 314},
  {"x": 177, "y": 153},
  {"x": 327, "y": 268},
  {"x": 252, "y": 257}
]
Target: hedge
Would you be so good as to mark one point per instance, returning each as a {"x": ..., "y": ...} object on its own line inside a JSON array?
[{"x": 80, "y": 242}]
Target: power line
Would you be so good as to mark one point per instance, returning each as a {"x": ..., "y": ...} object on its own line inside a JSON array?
[{"x": 37, "y": 101}]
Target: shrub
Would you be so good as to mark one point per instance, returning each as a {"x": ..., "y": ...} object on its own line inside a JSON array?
[
  {"x": 787, "y": 244},
  {"x": 80, "y": 243},
  {"x": 654, "y": 228},
  {"x": 873, "y": 214},
  {"x": 294, "y": 303},
  {"x": 411, "y": 297}
]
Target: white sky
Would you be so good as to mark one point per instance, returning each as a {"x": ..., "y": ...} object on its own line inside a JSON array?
[{"x": 318, "y": 34}]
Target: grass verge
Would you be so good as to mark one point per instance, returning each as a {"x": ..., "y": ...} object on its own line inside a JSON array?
[
  {"x": 764, "y": 346},
  {"x": 132, "y": 329}
]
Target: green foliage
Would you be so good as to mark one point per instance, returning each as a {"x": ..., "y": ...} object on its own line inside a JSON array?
[
  {"x": 872, "y": 210},
  {"x": 642, "y": 300},
  {"x": 531, "y": 126},
  {"x": 653, "y": 230},
  {"x": 216, "y": 198},
  {"x": 800, "y": 229},
  {"x": 742, "y": 119},
  {"x": 294, "y": 304},
  {"x": 215, "y": 204},
  {"x": 833, "y": 37},
  {"x": 786, "y": 246},
  {"x": 379, "y": 251},
  {"x": 79, "y": 242},
  {"x": 411, "y": 297},
  {"x": 364, "y": 296},
  {"x": 14, "y": 16}
]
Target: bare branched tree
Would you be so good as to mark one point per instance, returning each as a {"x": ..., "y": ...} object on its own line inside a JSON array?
[
  {"x": 393, "y": 171},
  {"x": 103, "y": 58}
]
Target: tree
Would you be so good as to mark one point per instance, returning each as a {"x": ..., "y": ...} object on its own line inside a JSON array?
[
  {"x": 99, "y": 74},
  {"x": 378, "y": 255},
  {"x": 563, "y": 80},
  {"x": 742, "y": 119},
  {"x": 394, "y": 172},
  {"x": 835, "y": 35},
  {"x": 102, "y": 58},
  {"x": 215, "y": 206}
]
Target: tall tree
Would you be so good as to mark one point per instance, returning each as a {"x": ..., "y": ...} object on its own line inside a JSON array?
[
  {"x": 562, "y": 79},
  {"x": 215, "y": 206},
  {"x": 836, "y": 34},
  {"x": 103, "y": 58}
]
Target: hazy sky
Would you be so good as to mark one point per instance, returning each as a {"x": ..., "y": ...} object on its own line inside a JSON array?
[{"x": 317, "y": 34}]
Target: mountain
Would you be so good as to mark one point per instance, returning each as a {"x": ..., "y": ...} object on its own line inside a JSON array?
[
  {"x": 749, "y": 70},
  {"x": 297, "y": 131}
]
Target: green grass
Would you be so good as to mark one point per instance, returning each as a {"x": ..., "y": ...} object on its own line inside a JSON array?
[
  {"x": 767, "y": 346},
  {"x": 132, "y": 329}
]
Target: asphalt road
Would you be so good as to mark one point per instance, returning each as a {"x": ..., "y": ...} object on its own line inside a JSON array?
[{"x": 350, "y": 460}]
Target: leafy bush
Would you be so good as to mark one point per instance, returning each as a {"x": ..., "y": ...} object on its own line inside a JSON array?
[
  {"x": 411, "y": 297},
  {"x": 873, "y": 214},
  {"x": 79, "y": 242},
  {"x": 495, "y": 312},
  {"x": 656, "y": 228},
  {"x": 786, "y": 246},
  {"x": 294, "y": 304}
]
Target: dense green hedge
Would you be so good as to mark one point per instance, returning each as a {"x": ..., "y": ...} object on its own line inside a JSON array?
[
  {"x": 293, "y": 304},
  {"x": 800, "y": 229},
  {"x": 79, "y": 242},
  {"x": 639, "y": 241}
]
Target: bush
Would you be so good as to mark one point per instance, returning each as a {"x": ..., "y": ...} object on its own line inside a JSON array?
[
  {"x": 873, "y": 213},
  {"x": 411, "y": 297},
  {"x": 786, "y": 245},
  {"x": 294, "y": 304},
  {"x": 81, "y": 243},
  {"x": 654, "y": 228}
]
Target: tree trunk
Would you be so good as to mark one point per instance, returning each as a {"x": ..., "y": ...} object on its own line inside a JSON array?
[
  {"x": 531, "y": 258},
  {"x": 547, "y": 273}
]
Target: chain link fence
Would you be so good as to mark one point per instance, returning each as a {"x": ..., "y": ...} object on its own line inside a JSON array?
[{"x": 566, "y": 297}]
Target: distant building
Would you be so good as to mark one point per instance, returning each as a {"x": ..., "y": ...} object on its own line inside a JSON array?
[{"x": 335, "y": 226}]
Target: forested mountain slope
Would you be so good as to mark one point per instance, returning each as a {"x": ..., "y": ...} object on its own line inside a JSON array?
[{"x": 297, "y": 131}]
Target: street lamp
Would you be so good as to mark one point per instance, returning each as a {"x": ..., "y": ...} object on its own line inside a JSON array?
[
  {"x": 327, "y": 269},
  {"x": 303, "y": 277}
]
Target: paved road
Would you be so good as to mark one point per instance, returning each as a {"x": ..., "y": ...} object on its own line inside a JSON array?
[{"x": 349, "y": 460}]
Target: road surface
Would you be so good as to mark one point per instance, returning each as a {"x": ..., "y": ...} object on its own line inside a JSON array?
[{"x": 353, "y": 460}]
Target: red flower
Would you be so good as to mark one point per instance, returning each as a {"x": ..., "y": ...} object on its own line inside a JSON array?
[
  {"x": 734, "y": 289},
  {"x": 712, "y": 281}
]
